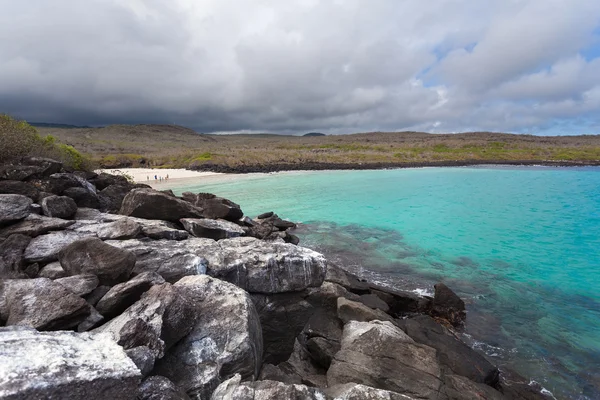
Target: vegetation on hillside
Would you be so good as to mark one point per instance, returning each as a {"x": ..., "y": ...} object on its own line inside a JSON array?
[
  {"x": 19, "y": 139},
  {"x": 174, "y": 146}
]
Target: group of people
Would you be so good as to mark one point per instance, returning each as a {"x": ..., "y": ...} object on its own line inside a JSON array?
[{"x": 158, "y": 178}]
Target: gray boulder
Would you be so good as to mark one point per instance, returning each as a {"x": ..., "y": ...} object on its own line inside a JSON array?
[
  {"x": 48, "y": 165},
  {"x": 321, "y": 337},
  {"x": 400, "y": 302},
  {"x": 353, "y": 391},
  {"x": 110, "y": 264},
  {"x": 111, "y": 197},
  {"x": 45, "y": 248},
  {"x": 79, "y": 284},
  {"x": 52, "y": 271},
  {"x": 460, "y": 388},
  {"x": 214, "y": 207},
  {"x": 349, "y": 281},
  {"x": 226, "y": 338},
  {"x": 381, "y": 355},
  {"x": 172, "y": 259},
  {"x": 143, "y": 358},
  {"x": 326, "y": 295},
  {"x": 348, "y": 310},
  {"x": 152, "y": 204},
  {"x": 13, "y": 207},
  {"x": 121, "y": 296},
  {"x": 64, "y": 365},
  {"x": 212, "y": 229},
  {"x": 83, "y": 197},
  {"x": 161, "y": 318},
  {"x": 125, "y": 228},
  {"x": 18, "y": 172},
  {"x": 41, "y": 304},
  {"x": 261, "y": 267},
  {"x": 34, "y": 225},
  {"x": 12, "y": 263},
  {"x": 92, "y": 321},
  {"x": 234, "y": 389},
  {"x": 448, "y": 306},
  {"x": 58, "y": 207},
  {"x": 160, "y": 388},
  {"x": 18, "y": 187},
  {"x": 302, "y": 365}
]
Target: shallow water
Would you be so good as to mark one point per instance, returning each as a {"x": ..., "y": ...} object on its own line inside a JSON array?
[{"x": 519, "y": 244}]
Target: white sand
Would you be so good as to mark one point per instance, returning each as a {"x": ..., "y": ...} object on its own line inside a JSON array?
[{"x": 175, "y": 176}]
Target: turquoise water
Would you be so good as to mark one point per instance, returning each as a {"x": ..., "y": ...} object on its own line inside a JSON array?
[{"x": 519, "y": 244}]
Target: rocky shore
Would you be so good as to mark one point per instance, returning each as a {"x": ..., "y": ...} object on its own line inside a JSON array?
[
  {"x": 113, "y": 290},
  {"x": 323, "y": 166}
]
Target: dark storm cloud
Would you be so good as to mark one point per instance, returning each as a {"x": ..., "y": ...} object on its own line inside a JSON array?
[{"x": 294, "y": 66}]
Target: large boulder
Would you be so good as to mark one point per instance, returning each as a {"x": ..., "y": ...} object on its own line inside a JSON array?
[
  {"x": 48, "y": 165},
  {"x": 161, "y": 318},
  {"x": 83, "y": 197},
  {"x": 152, "y": 204},
  {"x": 212, "y": 229},
  {"x": 160, "y": 388},
  {"x": 453, "y": 354},
  {"x": 41, "y": 304},
  {"x": 34, "y": 225},
  {"x": 214, "y": 207},
  {"x": 59, "y": 207},
  {"x": 18, "y": 187},
  {"x": 226, "y": 338},
  {"x": 448, "y": 306},
  {"x": 381, "y": 355},
  {"x": 64, "y": 365},
  {"x": 110, "y": 264},
  {"x": 111, "y": 197},
  {"x": 399, "y": 302},
  {"x": 45, "y": 248},
  {"x": 12, "y": 263},
  {"x": 301, "y": 365},
  {"x": 172, "y": 259},
  {"x": 124, "y": 228},
  {"x": 321, "y": 337},
  {"x": 235, "y": 389},
  {"x": 18, "y": 172},
  {"x": 104, "y": 180},
  {"x": 282, "y": 317},
  {"x": 52, "y": 271},
  {"x": 348, "y": 310},
  {"x": 461, "y": 388},
  {"x": 347, "y": 280},
  {"x": 79, "y": 284},
  {"x": 262, "y": 267},
  {"x": 353, "y": 391},
  {"x": 121, "y": 296},
  {"x": 13, "y": 207}
]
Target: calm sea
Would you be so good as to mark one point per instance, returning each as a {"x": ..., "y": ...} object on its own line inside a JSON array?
[{"x": 520, "y": 245}]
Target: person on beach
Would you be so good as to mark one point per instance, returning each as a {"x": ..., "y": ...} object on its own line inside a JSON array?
[
  {"x": 155, "y": 178},
  {"x": 167, "y": 177},
  {"x": 147, "y": 177}
]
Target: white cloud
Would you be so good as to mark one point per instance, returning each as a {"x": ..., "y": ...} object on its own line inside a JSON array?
[{"x": 335, "y": 66}]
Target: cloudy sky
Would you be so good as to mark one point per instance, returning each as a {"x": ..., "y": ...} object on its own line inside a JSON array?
[{"x": 293, "y": 66}]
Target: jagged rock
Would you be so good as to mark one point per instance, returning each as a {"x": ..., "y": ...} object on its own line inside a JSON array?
[
  {"x": 59, "y": 207},
  {"x": 12, "y": 256},
  {"x": 265, "y": 215},
  {"x": 13, "y": 207},
  {"x": 262, "y": 229},
  {"x": 353, "y": 391},
  {"x": 461, "y": 388},
  {"x": 348, "y": 310},
  {"x": 452, "y": 353},
  {"x": 321, "y": 336},
  {"x": 52, "y": 271},
  {"x": 64, "y": 365},
  {"x": 143, "y": 358},
  {"x": 375, "y": 302},
  {"x": 447, "y": 305},
  {"x": 212, "y": 229},
  {"x": 172, "y": 259},
  {"x": 270, "y": 372},
  {"x": 160, "y": 388},
  {"x": 164, "y": 232},
  {"x": 121, "y": 296},
  {"x": 282, "y": 317},
  {"x": 400, "y": 302},
  {"x": 111, "y": 197},
  {"x": 152, "y": 204},
  {"x": 92, "y": 321},
  {"x": 161, "y": 318},
  {"x": 18, "y": 172},
  {"x": 94, "y": 297},
  {"x": 214, "y": 207},
  {"x": 105, "y": 180},
  {"x": 48, "y": 165},
  {"x": 381, "y": 355},
  {"x": 326, "y": 295},
  {"x": 92, "y": 256},
  {"x": 234, "y": 389},
  {"x": 349, "y": 281},
  {"x": 45, "y": 248},
  {"x": 57, "y": 183},
  {"x": 34, "y": 225},
  {"x": 226, "y": 338},
  {"x": 293, "y": 239},
  {"x": 41, "y": 304},
  {"x": 261, "y": 267},
  {"x": 83, "y": 197},
  {"x": 18, "y": 187},
  {"x": 301, "y": 364},
  {"x": 79, "y": 284},
  {"x": 125, "y": 228}
]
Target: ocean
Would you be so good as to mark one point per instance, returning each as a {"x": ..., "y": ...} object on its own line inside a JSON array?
[{"x": 519, "y": 244}]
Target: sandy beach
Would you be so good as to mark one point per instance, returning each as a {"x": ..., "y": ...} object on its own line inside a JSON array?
[{"x": 176, "y": 177}]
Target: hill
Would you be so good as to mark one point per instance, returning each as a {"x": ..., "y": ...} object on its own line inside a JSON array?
[
  {"x": 52, "y": 125},
  {"x": 179, "y": 147},
  {"x": 313, "y": 134}
]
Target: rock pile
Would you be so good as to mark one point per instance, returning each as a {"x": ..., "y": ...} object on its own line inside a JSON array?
[{"x": 185, "y": 298}]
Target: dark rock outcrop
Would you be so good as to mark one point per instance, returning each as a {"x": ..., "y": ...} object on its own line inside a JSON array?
[
  {"x": 65, "y": 365},
  {"x": 448, "y": 306},
  {"x": 34, "y": 225},
  {"x": 12, "y": 261},
  {"x": 152, "y": 204},
  {"x": 212, "y": 229},
  {"x": 214, "y": 207},
  {"x": 121, "y": 296},
  {"x": 58, "y": 207},
  {"x": 13, "y": 207},
  {"x": 110, "y": 264},
  {"x": 18, "y": 187}
]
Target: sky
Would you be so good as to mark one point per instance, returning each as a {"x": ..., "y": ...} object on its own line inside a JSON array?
[{"x": 296, "y": 66}]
